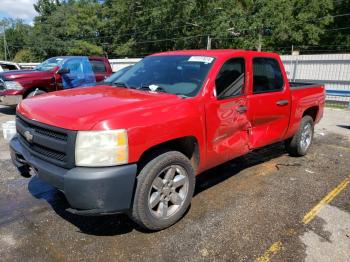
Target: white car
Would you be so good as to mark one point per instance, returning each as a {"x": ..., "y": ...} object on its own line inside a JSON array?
[{"x": 7, "y": 66}]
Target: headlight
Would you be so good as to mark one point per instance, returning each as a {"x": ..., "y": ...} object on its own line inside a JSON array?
[
  {"x": 101, "y": 148},
  {"x": 13, "y": 85}
]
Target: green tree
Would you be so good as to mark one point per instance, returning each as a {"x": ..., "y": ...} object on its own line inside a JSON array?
[
  {"x": 25, "y": 56},
  {"x": 336, "y": 37},
  {"x": 45, "y": 8},
  {"x": 17, "y": 35},
  {"x": 64, "y": 24},
  {"x": 271, "y": 24},
  {"x": 84, "y": 48},
  {"x": 138, "y": 27}
]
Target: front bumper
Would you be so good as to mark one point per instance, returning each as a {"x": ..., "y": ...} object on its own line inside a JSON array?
[
  {"x": 10, "y": 100},
  {"x": 89, "y": 191}
]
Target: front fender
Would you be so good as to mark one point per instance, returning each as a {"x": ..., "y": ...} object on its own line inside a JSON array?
[{"x": 149, "y": 127}]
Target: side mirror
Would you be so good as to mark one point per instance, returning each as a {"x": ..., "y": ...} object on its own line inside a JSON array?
[{"x": 63, "y": 71}]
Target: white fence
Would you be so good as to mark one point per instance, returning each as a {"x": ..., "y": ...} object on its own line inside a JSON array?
[
  {"x": 120, "y": 63},
  {"x": 332, "y": 70},
  {"x": 28, "y": 65}
]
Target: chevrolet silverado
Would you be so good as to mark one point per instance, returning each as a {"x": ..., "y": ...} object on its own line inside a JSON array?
[{"x": 136, "y": 145}]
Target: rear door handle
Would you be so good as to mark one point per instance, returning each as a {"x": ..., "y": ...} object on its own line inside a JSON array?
[
  {"x": 241, "y": 109},
  {"x": 282, "y": 102}
]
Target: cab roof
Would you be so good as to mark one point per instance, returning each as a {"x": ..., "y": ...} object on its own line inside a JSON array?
[{"x": 213, "y": 52}]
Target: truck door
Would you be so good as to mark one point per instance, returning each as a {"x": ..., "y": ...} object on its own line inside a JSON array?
[
  {"x": 80, "y": 73},
  {"x": 269, "y": 102},
  {"x": 226, "y": 118},
  {"x": 75, "y": 75}
]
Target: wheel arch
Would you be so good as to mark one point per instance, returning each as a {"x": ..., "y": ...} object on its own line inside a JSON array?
[
  {"x": 312, "y": 111},
  {"x": 187, "y": 145}
]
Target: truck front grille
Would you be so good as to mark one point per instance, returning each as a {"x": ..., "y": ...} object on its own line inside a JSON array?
[{"x": 51, "y": 144}]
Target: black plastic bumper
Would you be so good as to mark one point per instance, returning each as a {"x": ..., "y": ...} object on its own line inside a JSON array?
[{"x": 89, "y": 191}]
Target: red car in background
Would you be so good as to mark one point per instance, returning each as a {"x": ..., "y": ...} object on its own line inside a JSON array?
[{"x": 54, "y": 74}]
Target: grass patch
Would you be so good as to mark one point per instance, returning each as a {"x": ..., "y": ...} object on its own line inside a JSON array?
[{"x": 337, "y": 104}]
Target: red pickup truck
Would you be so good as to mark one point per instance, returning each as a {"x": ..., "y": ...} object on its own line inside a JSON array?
[
  {"x": 135, "y": 145},
  {"x": 56, "y": 73}
]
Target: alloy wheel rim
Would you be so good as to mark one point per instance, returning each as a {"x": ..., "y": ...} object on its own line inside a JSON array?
[
  {"x": 168, "y": 192},
  {"x": 306, "y": 137}
]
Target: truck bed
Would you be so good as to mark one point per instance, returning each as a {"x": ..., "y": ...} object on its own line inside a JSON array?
[
  {"x": 305, "y": 96},
  {"x": 302, "y": 85}
]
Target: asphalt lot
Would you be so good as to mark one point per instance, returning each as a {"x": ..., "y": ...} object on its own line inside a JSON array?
[{"x": 251, "y": 208}]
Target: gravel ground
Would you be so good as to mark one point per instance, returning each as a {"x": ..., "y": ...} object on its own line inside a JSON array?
[{"x": 239, "y": 210}]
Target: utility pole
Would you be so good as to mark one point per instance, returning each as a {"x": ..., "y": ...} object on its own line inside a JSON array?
[
  {"x": 208, "y": 37},
  {"x": 5, "y": 45},
  {"x": 208, "y": 42},
  {"x": 259, "y": 42}
]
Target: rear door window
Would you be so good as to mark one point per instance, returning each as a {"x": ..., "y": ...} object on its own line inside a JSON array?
[
  {"x": 98, "y": 66},
  {"x": 267, "y": 75}
]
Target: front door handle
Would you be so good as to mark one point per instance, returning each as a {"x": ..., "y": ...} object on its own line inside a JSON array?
[
  {"x": 241, "y": 109},
  {"x": 282, "y": 102}
]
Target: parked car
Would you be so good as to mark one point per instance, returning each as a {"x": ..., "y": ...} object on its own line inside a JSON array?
[
  {"x": 8, "y": 66},
  {"x": 136, "y": 145},
  {"x": 56, "y": 73}
]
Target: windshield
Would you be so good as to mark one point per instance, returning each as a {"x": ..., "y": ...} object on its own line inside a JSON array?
[
  {"x": 50, "y": 64},
  {"x": 175, "y": 74},
  {"x": 113, "y": 78}
]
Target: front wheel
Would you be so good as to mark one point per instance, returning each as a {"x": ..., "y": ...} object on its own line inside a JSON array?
[
  {"x": 300, "y": 143},
  {"x": 164, "y": 191}
]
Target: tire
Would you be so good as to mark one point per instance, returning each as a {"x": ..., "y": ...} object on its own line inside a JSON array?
[
  {"x": 24, "y": 171},
  {"x": 36, "y": 92},
  {"x": 151, "y": 188},
  {"x": 300, "y": 143}
]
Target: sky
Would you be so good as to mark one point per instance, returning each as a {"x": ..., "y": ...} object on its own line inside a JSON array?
[{"x": 22, "y": 9}]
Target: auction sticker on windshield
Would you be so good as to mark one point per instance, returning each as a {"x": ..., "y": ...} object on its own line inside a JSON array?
[{"x": 203, "y": 59}]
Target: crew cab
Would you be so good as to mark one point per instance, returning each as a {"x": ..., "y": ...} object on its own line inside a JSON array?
[
  {"x": 135, "y": 145},
  {"x": 54, "y": 74}
]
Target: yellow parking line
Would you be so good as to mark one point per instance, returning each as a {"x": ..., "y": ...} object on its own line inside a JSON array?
[
  {"x": 275, "y": 247},
  {"x": 326, "y": 200}
]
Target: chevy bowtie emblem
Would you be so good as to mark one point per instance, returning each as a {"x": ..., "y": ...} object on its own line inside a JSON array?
[{"x": 29, "y": 136}]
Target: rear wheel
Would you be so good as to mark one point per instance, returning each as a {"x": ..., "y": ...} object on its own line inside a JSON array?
[
  {"x": 164, "y": 191},
  {"x": 300, "y": 143}
]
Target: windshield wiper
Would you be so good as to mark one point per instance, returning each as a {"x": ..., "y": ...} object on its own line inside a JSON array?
[
  {"x": 121, "y": 84},
  {"x": 158, "y": 89},
  {"x": 161, "y": 89},
  {"x": 181, "y": 95}
]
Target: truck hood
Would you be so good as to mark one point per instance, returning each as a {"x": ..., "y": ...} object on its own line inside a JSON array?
[
  {"x": 83, "y": 108},
  {"x": 21, "y": 74}
]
